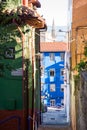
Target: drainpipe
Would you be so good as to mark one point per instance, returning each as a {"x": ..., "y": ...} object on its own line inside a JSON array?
[
  {"x": 33, "y": 91},
  {"x": 76, "y": 45}
]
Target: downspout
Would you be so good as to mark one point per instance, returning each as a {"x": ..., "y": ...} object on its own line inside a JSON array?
[
  {"x": 76, "y": 45},
  {"x": 33, "y": 86},
  {"x": 33, "y": 71}
]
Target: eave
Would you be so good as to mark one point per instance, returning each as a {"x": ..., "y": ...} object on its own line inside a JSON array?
[{"x": 27, "y": 16}]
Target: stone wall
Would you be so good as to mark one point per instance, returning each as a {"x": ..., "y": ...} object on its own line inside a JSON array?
[{"x": 81, "y": 102}]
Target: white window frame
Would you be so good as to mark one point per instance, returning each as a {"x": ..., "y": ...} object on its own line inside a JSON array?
[
  {"x": 62, "y": 102},
  {"x": 62, "y": 72},
  {"x": 52, "y": 102},
  {"x": 53, "y": 72},
  {"x": 52, "y": 87},
  {"x": 52, "y": 56},
  {"x": 62, "y": 87},
  {"x": 62, "y": 55}
]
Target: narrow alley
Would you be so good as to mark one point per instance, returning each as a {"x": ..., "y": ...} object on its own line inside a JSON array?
[{"x": 43, "y": 64}]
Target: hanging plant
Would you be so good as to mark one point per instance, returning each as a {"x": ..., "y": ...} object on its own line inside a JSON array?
[{"x": 81, "y": 66}]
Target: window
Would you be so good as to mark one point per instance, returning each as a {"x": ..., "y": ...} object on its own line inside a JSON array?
[
  {"x": 62, "y": 87},
  {"x": 9, "y": 53},
  {"x": 52, "y": 56},
  {"x": 62, "y": 102},
  {"x": 52, "y": 87},
  {"x": 62, "y": 55},
  {"x": 52, "y": 72},
  {"x": 52, "y": 102},
  {"x": 62, "y": 72}
]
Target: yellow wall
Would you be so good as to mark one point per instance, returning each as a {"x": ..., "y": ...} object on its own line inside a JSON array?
[{"x": 79, "y": 31}]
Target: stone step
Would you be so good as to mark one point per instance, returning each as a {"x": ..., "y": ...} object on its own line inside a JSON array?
[{"x": 44, "y": 127}]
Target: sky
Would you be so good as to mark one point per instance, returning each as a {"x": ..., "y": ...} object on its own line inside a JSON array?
[{"x": 54, "y": 9}]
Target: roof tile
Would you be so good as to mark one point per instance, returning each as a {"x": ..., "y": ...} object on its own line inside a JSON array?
[{"x": 53, "y": 46}]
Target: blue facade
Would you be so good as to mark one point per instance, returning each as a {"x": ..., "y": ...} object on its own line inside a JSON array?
[{"x": 52, "y": 78}]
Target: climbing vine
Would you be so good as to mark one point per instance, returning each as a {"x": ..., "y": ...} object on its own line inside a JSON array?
[
  {"x": 83, "y": 63},
  {"x": 10, "y": 21}
]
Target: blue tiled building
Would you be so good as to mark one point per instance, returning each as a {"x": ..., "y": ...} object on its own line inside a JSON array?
[{"x": 53, "y": 77}]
